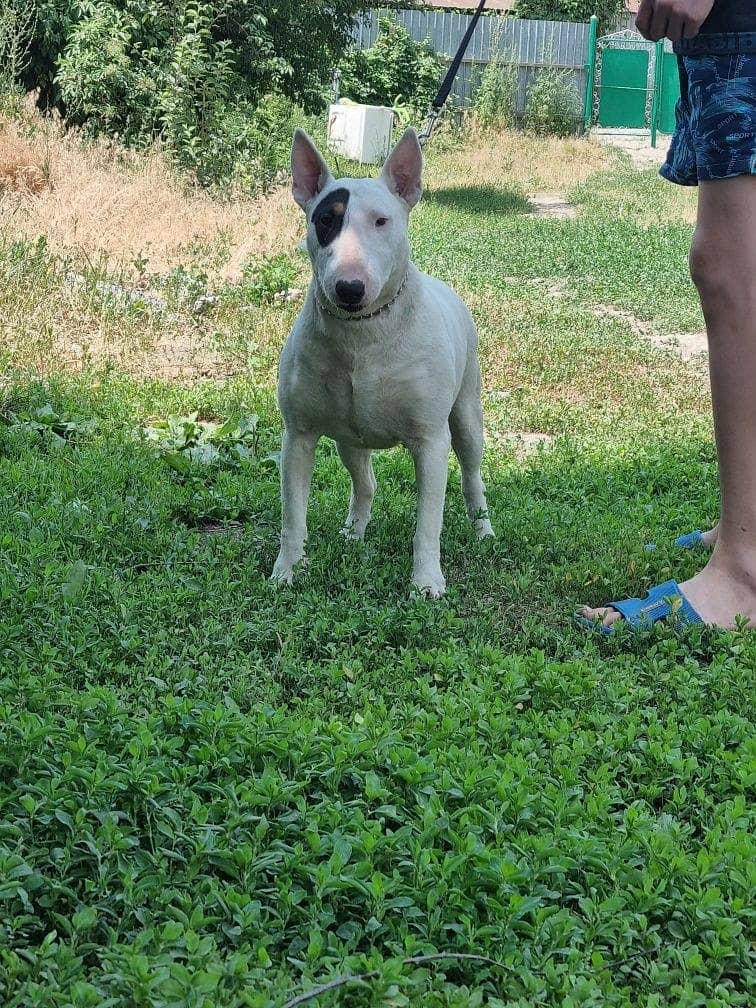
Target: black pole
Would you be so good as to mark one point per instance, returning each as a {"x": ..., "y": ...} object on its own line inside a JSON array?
[{"x": 437, "y": 105}]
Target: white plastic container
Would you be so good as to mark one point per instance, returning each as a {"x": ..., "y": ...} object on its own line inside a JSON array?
[{"x": 360, "y": 132}]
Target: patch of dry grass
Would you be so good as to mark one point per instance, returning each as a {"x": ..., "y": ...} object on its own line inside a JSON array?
[
  {"x": 49, "y": 325},
  {"x": 23, "y": 170},
  {"x": 531, "y": 163},
  {"x": 103, "y": 205},
  {"x": 99, "y": 198}
]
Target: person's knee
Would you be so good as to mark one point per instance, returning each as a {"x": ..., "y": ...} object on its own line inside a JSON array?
[{"x": 712, "y": 273}]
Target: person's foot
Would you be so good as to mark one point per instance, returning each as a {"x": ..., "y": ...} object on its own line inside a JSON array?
[
  {"x": 718, "y": 595},
  {"x": 698, "y": 540}
]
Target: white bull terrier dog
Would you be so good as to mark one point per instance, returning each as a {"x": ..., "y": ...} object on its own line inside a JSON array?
[{"x": 381, "y": 354}]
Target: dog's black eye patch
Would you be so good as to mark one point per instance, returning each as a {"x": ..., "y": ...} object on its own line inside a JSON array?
[{"x": 328, "y": 215}]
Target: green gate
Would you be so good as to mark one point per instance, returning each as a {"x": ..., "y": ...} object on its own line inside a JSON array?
[
  {"x": 670, "y": 92},
  {"x": 623, "y": 87},
  {"x": 632, "y": 83}
]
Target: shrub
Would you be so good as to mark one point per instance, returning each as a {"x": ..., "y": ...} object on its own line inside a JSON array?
[
  {"x": 272, "y": 45},
  {"x": 249, "y": 147},
  {"x": 192, "y": 98},
  {"x": 193, "y": 74},
  {"x": 495, "y": 103},
  {"x": 101, "y": 87},
  {"x": 553, "y": 105},
  {"x": 396, "y": 70},
  {"x": 274, "y": 121},
  {"x": 607, "y": 11},
  {"x": 16, "y": 27}
]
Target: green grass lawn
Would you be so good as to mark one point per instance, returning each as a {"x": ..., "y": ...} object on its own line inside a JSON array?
[{"x": 213, "y": 793}]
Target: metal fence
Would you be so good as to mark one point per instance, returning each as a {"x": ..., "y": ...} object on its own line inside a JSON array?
[{"x": 531, "y": 44}]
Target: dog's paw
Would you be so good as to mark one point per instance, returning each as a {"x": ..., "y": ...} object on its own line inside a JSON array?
[
  {"x": 431, "y": 585},
  {"x": 353, "y": 533},
  {"x": 282, "y": 578},
  {"x": 484, "y": 529},
  {"x": 284, "y": 571}
]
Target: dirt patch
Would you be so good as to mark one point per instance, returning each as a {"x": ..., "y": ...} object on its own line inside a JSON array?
[
  {"x": 176, "y": 356},
  {"x": 522, "y": 443},
  {"x": 550, "y": 286},
  {"x": 551, "y": 204},
  {"x": 688, "y": 346},
  {"x": 638, "y": 326},
  {"x": 637, "y": 145}
]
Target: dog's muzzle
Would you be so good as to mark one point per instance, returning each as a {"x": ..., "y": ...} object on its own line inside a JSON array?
[{"x": 322, "y": 303}]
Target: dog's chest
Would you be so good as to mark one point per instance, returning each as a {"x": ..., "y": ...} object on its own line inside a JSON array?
[{"x": 357, "y": 407}]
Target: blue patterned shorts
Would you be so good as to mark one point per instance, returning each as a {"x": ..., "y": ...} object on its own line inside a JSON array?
[{"x": 715, "y": 135}]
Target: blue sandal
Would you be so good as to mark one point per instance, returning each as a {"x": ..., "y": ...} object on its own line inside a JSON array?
[
  {"x": 663, "y": 601},
  {"x": 693, "y": 540}
]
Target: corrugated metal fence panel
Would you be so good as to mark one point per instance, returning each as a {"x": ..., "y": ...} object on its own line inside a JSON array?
[{"x": 531, "y": 43}]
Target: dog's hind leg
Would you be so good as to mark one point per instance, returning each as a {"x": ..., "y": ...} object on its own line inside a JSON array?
[
  {"x": 359, "y": 465},
  {"x": 466, "y": 425}
]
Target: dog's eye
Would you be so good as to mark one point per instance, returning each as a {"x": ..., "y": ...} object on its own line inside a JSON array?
[
  {"x": 326, "y": 220},
  {"x": 381, "y": 221}
]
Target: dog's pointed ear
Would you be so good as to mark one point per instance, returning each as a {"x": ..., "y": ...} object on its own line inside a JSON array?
[
  {"x": 310, "y": 174},
  {"x": 403, "y": 170}
]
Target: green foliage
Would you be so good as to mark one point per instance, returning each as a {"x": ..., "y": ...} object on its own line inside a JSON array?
[
  {"x": 188, "y": 90},
  {"x": 239, "y": 793},
  {"x": 196, "y": 74},
  {"x": 50, "y": 425},
  {"x": 395, "y": 70},
  {"x": 283, "y": 46},
  {"x": 268, "y": 134},
  {"x": 269, "y": 276},
  {"x": 495, "y": 101},
  {"x": 54, "y": 21},
  {"x": 186, "y": 440},
  {"x": 98, "y": 83},
  {"x": 16, "y": 28},
  {"x": 553, "y": 106},
  {"x": 607, "y": 11},
  {"x": 191, "y": 853},
  {"x": 300, "y": 43}
]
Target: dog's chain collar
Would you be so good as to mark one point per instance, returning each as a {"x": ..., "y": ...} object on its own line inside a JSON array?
[{"x": 360, "y": 318}]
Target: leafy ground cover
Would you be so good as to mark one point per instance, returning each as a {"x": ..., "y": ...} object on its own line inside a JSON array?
[{"x": 213, "y": 793}]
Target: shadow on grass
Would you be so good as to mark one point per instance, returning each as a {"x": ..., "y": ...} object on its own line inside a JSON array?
[{"x": 479, "y": 199}]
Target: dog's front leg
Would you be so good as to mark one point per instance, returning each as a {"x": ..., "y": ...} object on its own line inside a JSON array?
[
  {"x": 297, "y": 462},
  {"x": 431, "y": 471}
]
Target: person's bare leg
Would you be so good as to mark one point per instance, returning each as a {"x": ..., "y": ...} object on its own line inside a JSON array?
[{"x": 723, "y": 265}]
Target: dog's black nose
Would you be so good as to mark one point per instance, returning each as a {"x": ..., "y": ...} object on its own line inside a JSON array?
[{"x": 350, "y": 292}]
